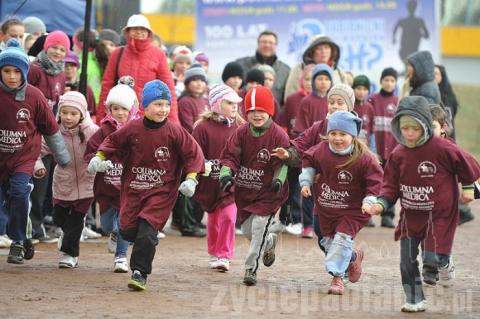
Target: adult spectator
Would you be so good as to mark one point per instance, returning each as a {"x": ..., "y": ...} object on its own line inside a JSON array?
[
  {"x": 140, "y": 59},
  {"x": 449, "y": 99},
  {"x": 321, "y": 49},
  {"x": 266, "y": 53}
]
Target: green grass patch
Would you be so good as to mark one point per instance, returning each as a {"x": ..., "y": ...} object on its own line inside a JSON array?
[{"x": 468, "y": 118}]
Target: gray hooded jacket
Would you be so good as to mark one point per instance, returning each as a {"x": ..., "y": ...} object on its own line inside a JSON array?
[{"x": 423, "y": 83}]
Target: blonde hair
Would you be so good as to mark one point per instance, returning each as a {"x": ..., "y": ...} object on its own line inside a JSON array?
[
  {"x": 214, "y": 116},
  {"x": 359, "y": 149}
]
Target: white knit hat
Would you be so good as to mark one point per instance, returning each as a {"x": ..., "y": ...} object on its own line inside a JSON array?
[
  {"x": 138, "y": 20},
  {"x": 123, "y": 95}
]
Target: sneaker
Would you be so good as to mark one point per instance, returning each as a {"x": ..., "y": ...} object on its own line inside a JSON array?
[
  {"x": 387, "y": 222},
  {"x": 212, "y": 262},
  {"x": 294, "y": 229},
  {"x": 90, "y": 234},
  {"x": 446, "y": 274},
  {"x": 336, "y": 287},
  {"x": 29, "y": 250},
  {"x": 415, "y": 307},
  {"x": 194, "y": 232},
  {"x": 5, "y": 242},
  {"x": 238, "y": 231},
  {"x": 67, "y": 261},
  {"x": 250, "y": 278},
  {"x": 370, "y": 223},
  {"x": 161, "y": 235},
  {"x": 222, "y": 264},
  {"x": 112, "y": 243},
  {"x": 34, "y": 241},
  {"x": 277, "y": 228},
  {"x": 269, "y": 254},
  {"x": 307, "y": 232},
  {"x": 16, "y": 254},
  {"x": 138, "y": 281},
  {"x": 120, "y": 264},
  {"x": 355, "y": 267},
  {"x": 60, "y": 241}
]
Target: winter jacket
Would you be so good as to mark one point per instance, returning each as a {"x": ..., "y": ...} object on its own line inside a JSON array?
[{"x": 423, "y": 83}]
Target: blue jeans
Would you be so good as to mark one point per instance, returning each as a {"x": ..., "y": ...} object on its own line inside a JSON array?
[
  {"x": 110, "y": 221},
  {"x": 14, "y": 206},
  {"x": 339, "y": 253}
]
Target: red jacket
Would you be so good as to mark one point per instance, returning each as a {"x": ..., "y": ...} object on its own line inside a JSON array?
[{"x": 144, "y": 62}]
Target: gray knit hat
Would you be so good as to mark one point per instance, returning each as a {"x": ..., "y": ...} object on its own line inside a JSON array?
[
  {"x": 344, "y": 91},
  {"x": 34, "y": 25},
  {"x": 195, "y": 72},
  {"x": 110, "y": 35}
]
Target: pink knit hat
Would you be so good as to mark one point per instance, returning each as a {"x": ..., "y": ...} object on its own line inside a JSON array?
[
  {"x": 221, "y": 92},
  {"x": 57, "y": 38},
  {"x": 74, "y": 99}
]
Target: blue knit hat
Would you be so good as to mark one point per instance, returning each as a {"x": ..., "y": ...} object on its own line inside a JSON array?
[
  {"x": 155, "y": 90},
  {"x": 344, "y": 121},
  {"x": 15, "y": 56}
]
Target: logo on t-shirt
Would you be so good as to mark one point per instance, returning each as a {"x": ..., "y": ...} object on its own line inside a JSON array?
[
  {"x": 263, "y": 156},
  {"x": 344, "y": 177},
  {"x": 426, "y": 169},
  {"x": 23, "y": 115},
  {"x": 391, "y": 108},
  {"x": 365, "y": 119},
  {"x": 162, "y": 154}
]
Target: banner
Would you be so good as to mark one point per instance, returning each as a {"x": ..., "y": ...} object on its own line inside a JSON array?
[{"x": 372, "y": 34}]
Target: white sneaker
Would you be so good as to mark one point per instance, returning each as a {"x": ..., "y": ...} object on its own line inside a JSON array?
[
  {"x": 446, "y": 275},
  {"x": 67, "y": 261},
  {"x": 415, "y": 307},
  {"x": 294, "y": 229},
  {"x": 60, "y": 240},
  {"x": 277, "y": 228},
  {"x": 120, "y": 265},
  {"x": 212, "y": 262},
  {"x": 223, "y": 264},
  {"x": 112, "y": 243},
  {"x": 5, "y": 242},
  {"x": 90, "y": 234},
  {"x": 238, "y": 231},
  {"x": 161, "y": 235}
]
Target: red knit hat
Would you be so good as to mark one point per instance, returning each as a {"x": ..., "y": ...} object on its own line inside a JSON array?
[
  {"x": 260, "y": 98},
  {"x": 57, "y": 38}
]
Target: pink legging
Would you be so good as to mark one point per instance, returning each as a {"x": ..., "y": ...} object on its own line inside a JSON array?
[{"x": 221, "y": 231}]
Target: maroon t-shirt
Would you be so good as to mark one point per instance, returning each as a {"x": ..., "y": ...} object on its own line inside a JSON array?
[
  {"x": 250, "y": 159},
  {"x": 365, "y": 112},
  {"x": 339, "y": 192},
  {"x": 311, "y": 137},
  {"x": 189, "y": 108},
  {"x": 52, "y": 86},
  {"x": 425, "y": 179},
  {"x": 290, "y": 110},
  {"x": 153, "y": 160},
  {"x": 384, "y": 108},
  {"x": 106, "y": 187},
  {"x": 212, "y": 136},
  {"x": 312, "y": 109},
  {"x": 22, "y": 125}
]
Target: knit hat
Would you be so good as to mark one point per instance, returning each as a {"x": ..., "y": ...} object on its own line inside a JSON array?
[
  {"x": 221, "y": 92},
  {"x": 138, "y": 20},
  {"x": 255, "y": 75},
  {"x": 74, "y": 99},
  {"x": 155, "y": 90},
  {"x": 232, "y": 69},
  {"x": 34, "y": 25},
  {"x": 110, "y": 35},
  {"x": 72, "y": 57},
  {"x": 322, "y": 69},
  {"x": 57, "y": 38},
  {"x": 361, "y": 80},
  {"x": 344, "y": 91},
  {"x": 265, "y": 68},
  {"x": 123, "y": 95},
  {"x": 182, "y": 53},
  {"x": 15, "y": 56},
  {"x": 389, "y": 72},
  {"x": 200, "y": 57},
  {"x": 195, "y": 72},
  {"x": 260, "y": 98},
  {"x": 344, "y": 121}
]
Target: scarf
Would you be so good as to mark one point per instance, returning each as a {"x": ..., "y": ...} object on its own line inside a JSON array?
[
  {"x": 50, "y": 67},
  {"x": 19, "y": 92},
  {"x": 132, "y": 115}
]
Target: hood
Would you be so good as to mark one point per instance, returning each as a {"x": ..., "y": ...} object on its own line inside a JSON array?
[
  {"x": 320, "y": 68},
  {"x": 416, "y": 106},
  {"x": 422, "y": 62},
  {"x": 308, "y": 54}
]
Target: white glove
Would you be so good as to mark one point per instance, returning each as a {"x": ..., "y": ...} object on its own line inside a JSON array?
[
  {"x": 98, "y": 165},
  {"x": 188, "y": 186},
  {"x": 208, "y": 168}
]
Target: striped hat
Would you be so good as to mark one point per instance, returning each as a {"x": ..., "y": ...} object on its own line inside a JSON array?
[
  {"x": 260, "y": 98},
  {"x": 221, "y": 92}
]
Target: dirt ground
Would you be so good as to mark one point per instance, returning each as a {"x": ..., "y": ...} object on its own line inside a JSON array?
[{"x": 183, "y": 286}]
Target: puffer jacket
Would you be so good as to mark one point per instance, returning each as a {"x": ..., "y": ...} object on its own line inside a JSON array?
[{"x": 423, "y": 83}]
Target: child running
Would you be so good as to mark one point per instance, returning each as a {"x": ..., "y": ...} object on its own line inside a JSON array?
[
  {"x": 154, "y": 152},
  {"x": 212, "y": 132},
  {"x": 122, "y": 107},
  {"x": 345, "y": 176},
  {"x": 421, "y": 172},
  {"x": 260, "y": 188}
]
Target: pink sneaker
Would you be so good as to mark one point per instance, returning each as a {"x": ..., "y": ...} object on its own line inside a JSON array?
[
  {"x": 307, "y": 232},
  {"x": 336, "y": 287},
  {"x": 355, "y": 267}
]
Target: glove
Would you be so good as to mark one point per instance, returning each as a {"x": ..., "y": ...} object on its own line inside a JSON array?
[
  {"x": 208, "y": 168},
  {"x": 276, "y": 185},
  {"x": 188, "y": 186},
  {"x": 226, "y": 183},
  {"x": 98, "y": 165}
]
